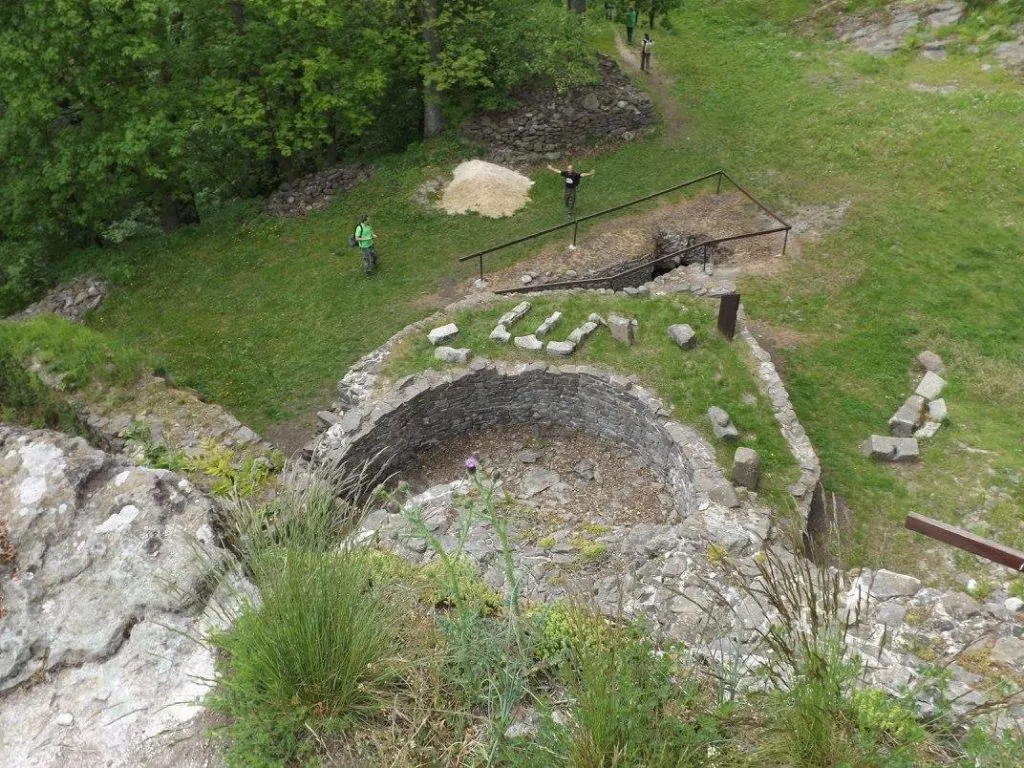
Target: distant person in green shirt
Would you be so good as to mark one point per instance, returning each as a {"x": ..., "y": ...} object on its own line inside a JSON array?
[
  {"x": 630, "y": 23},
  {"x": 609, "y": 9},
  {"x": 365, "y": 236}
]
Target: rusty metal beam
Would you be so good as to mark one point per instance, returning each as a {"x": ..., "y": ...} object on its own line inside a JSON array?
[{"x": 967, "y": 541}]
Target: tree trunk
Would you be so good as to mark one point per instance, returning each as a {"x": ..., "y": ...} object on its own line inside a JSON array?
[
  {"x": 433, "y": 121},
  {"x": 238, "y": 15},
  {"x": 578, "y": 6},
  {"x": 169, "y": 220},
  {"x": 650, "y": 18}
]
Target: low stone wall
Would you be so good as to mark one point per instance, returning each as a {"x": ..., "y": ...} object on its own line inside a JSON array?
[
  {"x": 423, "y": 410},
  {"x": 549, "y": 125}
]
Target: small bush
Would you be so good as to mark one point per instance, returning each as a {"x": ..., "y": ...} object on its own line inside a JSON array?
[{"x": 26, "y": 400}]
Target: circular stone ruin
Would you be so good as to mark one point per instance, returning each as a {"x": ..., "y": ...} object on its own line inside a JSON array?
[{"x": 421, "y": 412}]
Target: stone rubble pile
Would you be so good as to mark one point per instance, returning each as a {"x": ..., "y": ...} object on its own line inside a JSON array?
[
  {"x": 70, "y": 300},
  {"x": 315, "y": 191},
  {"x": 549, "y": 125}
]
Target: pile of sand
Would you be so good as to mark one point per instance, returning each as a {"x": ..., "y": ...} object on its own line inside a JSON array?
[{"x": 490, "y": 190}]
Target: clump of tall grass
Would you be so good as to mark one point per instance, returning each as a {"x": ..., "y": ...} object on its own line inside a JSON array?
[{"x": 321, "y": 649}]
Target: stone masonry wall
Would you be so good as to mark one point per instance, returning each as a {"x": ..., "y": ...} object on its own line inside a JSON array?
[
  {"x": 549, "y": 125},
  {"x": 423, "y": 410}
]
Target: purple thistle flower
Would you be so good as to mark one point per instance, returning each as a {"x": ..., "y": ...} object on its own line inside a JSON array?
[{"x": 472, "y": 465}]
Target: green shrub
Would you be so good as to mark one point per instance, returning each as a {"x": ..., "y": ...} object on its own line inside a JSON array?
[{"x": 26, "y": 400}]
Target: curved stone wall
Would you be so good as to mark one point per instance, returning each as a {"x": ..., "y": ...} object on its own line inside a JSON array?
[{"x": 422, "y": 411}]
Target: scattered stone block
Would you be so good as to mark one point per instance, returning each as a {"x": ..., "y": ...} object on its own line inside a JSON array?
[
  {"x": 530, "y": 342},
  {"x": 449, "y": 355},
  {"x": 623, "y": 329},
  {"x": 886, "y": 584},
  {"x": 927, "y": 431},
  {"x": 500, "y": 334},
  {"x": 722, "y": 425},
  {"x": 578, "y": 335},
  {"x": 442, "y": 333},
  {"x": 937, "y": 410},
  {"x": 908, "y": 417},
  {"x": 931, "y": 386},
  {"x": 682, "y": 335},
  {"x": 514, "y": 314},
  {"x": 1013, "y": 604},
  {"x": 536, "y": 481},
  {"x": 884, "y": 448},
  {"x": 746, "y": 468},
  {"x": 526, "y": 279},
  {"x": 593, "y": 317},
  {"x": 560, "y": 348},
  {"x": 1009, "y": 651},
  {"x": 931, "y": 362},
  {"x": 328, "y": 418},
  {"x": 960, "y": 606},
  {"x": 548, "y": 324}
]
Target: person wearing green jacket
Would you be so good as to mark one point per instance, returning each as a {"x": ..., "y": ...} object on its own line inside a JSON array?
[
  {"x": 364, "y": 237},
  {"x": 630, "y": 23}
]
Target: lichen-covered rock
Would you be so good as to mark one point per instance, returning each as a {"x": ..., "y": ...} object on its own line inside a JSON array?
[
  {"x": 442, "y": 333},
  {"x": 682, "y": 335},
  {"x": 113, "y": 570},
  {"x": 451, "y": 355},
  {"x": 931, "y": 386}
]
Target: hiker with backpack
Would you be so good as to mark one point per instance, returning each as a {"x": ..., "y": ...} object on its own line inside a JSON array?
[
  {"x": 364, "y": 237},
  {"x": 645, "y": 54}
]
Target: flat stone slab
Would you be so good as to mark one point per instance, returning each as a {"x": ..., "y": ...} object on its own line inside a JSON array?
[
  {"x": 884, "y": 584},
  {"x": 682, "y": 335},
  {"x": 560, "y": 348},
  {"x": 929, "y": 430},
  {"x": 536, "y": 481},
  {"x": 443, "y": 333},
  {"x": 449, "y": 355},
  {"x": 514, "y": 314},
  {"x": 500, "y": 334},
  {"x": 931, "y": 386},
  {"x": 1009, "y": 651},
  {"x": 908, "y": 417},
  {"x": 530, "y": 342},
  {"x": 885, "y": 448},
  {"x": 937, "y": 410}
]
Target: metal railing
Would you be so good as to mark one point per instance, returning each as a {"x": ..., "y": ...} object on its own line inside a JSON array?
[
  {"x": 649, "y": 264},
  {"x": 718, "y": 175}
]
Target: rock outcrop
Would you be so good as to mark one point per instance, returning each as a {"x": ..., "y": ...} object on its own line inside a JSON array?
[
  {"x": 70, "y": 300},
  {"x": 106, "y": 587}
]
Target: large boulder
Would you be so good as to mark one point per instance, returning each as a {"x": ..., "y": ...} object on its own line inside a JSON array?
[{"x": 112, "y": 571}]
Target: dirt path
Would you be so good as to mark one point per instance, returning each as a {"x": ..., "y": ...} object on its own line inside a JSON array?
[{"x": 658, "y": 85}]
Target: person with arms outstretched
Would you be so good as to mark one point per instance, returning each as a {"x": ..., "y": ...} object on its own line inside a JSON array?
[{"x": 572, "y": 181}]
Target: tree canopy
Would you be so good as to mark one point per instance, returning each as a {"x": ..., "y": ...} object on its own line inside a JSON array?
[{"x": 114, "y": 106}]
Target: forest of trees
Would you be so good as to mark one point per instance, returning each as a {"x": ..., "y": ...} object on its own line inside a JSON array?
[{"x": 160, "y": 108}]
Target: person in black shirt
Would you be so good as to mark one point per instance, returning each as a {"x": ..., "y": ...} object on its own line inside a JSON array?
[{"x": 572, "y": 181}]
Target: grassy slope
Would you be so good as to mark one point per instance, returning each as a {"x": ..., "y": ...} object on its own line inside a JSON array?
[
  {"x": 261, "y": 317},
  {"x": 928, "y": 256}
]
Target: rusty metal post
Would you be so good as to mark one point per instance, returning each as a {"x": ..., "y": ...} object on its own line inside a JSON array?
[
  {"x": 718, "y": 191},
  {"x": 575, "y": 229},
  {"x": 785, "y": 242},
  {"x": 728, "y": 309},
  {"x": 967, "y": 541},
  {"x": 481, "y": 266}
]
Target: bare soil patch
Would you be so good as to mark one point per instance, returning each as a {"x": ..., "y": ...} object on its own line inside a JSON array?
[{"x": 581, "y": 479}]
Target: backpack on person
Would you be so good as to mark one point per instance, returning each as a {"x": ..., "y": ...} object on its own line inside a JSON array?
[{"x": 353, "y": 239}]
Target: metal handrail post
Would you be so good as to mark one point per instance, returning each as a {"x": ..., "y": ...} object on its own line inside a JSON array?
[
  {"x": 718, "y": 191},
  {"x": 481, "y": 260},
  {"x": 785, "y": 242},
  {"x": 575, "y": 229}
]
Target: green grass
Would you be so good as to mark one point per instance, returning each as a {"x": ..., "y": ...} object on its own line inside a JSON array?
[
  {"x": 77, "y": 355},
  {"x": 260, "y": 316},
  {"x": 24, "y": 399},
  {"x": 715, "y": 372}
]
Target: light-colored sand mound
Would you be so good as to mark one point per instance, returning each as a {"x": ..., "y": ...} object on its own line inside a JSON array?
[{"x": 490, "y": 190}]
